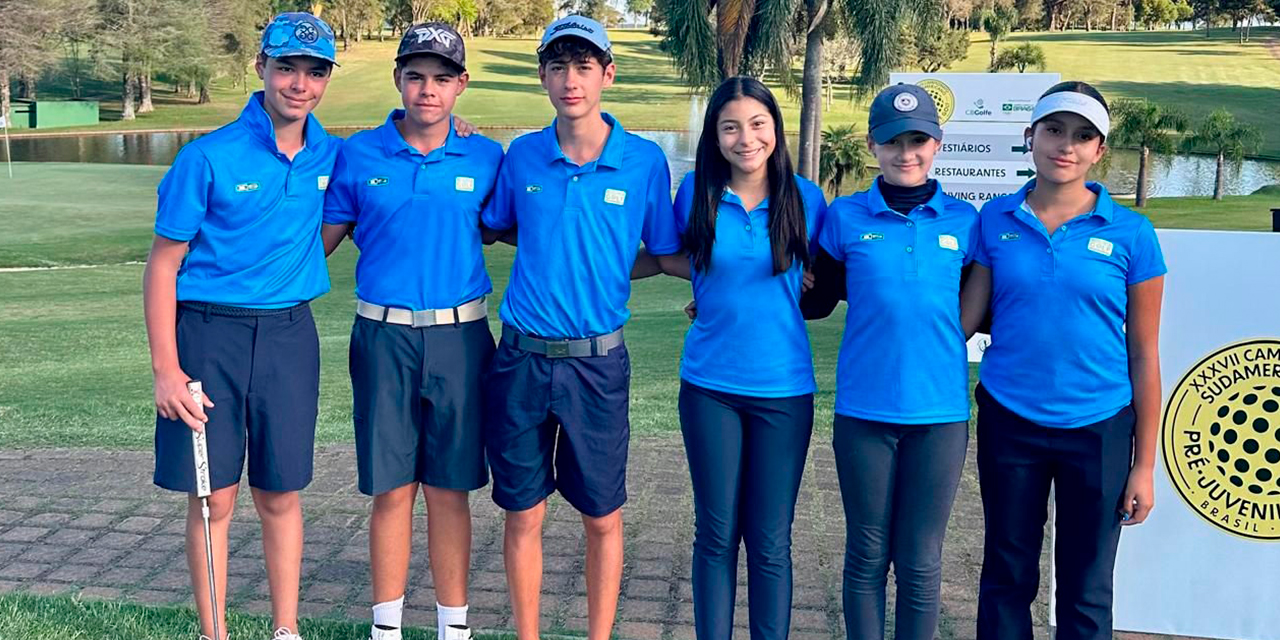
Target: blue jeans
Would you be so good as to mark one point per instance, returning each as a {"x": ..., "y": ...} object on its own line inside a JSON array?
[{"x": 746, "y": 458}]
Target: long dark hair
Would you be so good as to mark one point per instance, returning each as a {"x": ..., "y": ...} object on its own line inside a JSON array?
[{"x": 788, "y": 232}]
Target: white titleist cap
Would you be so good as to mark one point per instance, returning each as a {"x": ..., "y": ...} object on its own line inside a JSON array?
[{"x": 1072, "y": 102}]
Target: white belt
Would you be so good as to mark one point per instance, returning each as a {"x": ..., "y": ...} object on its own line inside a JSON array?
[{"x": 475, "y": 310}]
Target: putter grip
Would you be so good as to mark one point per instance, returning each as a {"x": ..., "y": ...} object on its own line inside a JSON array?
[{"x": 199, "y": 447}]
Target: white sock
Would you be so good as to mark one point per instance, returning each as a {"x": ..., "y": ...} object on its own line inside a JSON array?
[
  {"x": 446, "y": 616},
  {"x": 387, "y": 614}
]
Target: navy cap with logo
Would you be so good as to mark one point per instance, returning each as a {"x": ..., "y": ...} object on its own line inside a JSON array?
[
  {"x": 434, "y": 38},
  {"x": 299, "y": 34},
  {"x": 578, "y": 27},
  {"x": 900, "y": 108}
]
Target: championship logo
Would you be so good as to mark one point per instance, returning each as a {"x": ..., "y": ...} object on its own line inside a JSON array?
[
  {"x": 1221, "y": 439},
  {"x": 942, "y": 96}
]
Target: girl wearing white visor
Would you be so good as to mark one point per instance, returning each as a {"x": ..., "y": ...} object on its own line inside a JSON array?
[{"x": 1067, "y": 396}]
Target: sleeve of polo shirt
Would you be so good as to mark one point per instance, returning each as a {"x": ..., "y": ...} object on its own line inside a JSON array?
[
  {"x": 500, "y": 212},
  {"x": 1146, "y": 260},
  {"x": 340, "y": 203},
  {"x": 975, "y": 237},
  {"x": 183, "y": 195},
  {"x": 829, "y": 232},
  {"x": 684, "y": 203},
  {"x": 980, "y": 255},
  {"x": 659, "y": 233}
]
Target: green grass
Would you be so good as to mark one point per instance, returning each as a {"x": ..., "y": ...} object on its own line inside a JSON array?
[
  {"x": 1177, "y": 67},
  {"x": 74, "y": 368},
  {"x": 32, "y": 617}
]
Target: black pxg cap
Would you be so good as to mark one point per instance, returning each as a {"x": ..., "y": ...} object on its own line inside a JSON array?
[{"x": 434, "y": 38}]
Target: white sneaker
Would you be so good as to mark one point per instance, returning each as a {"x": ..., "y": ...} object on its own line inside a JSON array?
[
  {"x": 384, "y": 634},
  {"x": 284, "y": 633},
  {"x": 457, "y": 632}
]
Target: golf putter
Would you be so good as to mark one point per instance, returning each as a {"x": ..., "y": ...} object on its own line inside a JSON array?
[{"x": 200, "y": 449}]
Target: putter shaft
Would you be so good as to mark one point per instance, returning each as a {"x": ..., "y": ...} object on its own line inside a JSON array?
[{"x": 200, "y": 453}]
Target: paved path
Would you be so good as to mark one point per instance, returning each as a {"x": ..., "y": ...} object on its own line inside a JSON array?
[{"x": 90, "y": 522}]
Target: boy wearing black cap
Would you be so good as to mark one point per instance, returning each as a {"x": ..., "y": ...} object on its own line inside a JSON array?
[{"x": 413, "y": 190}]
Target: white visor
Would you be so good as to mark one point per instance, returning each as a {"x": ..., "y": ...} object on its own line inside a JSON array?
[{"x": 1077, "y": 103}]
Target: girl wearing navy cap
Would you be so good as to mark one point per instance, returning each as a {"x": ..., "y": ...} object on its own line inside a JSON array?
[
  {"x": 896, "y": 252},
  {"x": 1069, "y": 391},
  {"x": 746, "y": 388}
]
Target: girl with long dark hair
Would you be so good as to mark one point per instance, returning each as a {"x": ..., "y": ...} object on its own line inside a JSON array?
[
  {"x": 746, "y": 389},
  {"x": 896, "y": 251},
  {"x": 1069, "y": 391}
]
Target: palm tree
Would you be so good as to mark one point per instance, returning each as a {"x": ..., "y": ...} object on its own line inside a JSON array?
[
  {"x": 749, "y": 36},
  {"x": 1221, "y": 134},
  {"x": 998, "y": 23},
  {"x": 842, "y": 157},
  {"x": 1150, "y": 127},
  {"x": 1020, "y": 57}
]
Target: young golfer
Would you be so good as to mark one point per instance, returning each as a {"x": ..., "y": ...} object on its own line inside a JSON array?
[
  {"x": 746, "y": 388},
  {"x": 582, "y": 193},
  {"x": 1069, "y": 391},
  {"x": 236, "y": 258},
  {"x": 896, "y": 251},
  {"x": 413, "y": 190}
]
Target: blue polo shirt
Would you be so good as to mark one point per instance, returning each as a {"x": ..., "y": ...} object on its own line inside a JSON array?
[
  {"x": 250, "y": 215},
  {"x": 417, "y": 217},
  {"x": 579, "y": 228},
  {"x": 1058, "y": 355},
  {"x": 749, "y": 337},
  {"x": 902, "y": 358}
]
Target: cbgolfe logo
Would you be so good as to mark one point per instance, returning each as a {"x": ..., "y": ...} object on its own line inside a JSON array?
[{"x": 1221, "y": 439}]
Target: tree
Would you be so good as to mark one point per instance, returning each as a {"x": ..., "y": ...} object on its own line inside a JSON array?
[
  {"x": 1151, "y": 13},
  {"x": 938, "y": 50},
  {"x": 750, "y": 36},
  {"x": 842, "y": 157},
  {"x": 998, "y": 23},
  {"x": 599, "y": 10},
  {"x": 1206, "y": 11},
  {"x": 1225, "y": 137},
  {"x": 1148, "y": 126},
  {"x": 1020, "y": 57},
  {"x": 27, "y": 43}
]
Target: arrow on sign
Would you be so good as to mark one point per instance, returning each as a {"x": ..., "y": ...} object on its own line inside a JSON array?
[
  {"x": 1019, "y": 149},
  {"x": 1026, "y": 173}
]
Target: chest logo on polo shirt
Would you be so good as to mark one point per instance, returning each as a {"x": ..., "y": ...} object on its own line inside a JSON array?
[
  {"x": 1009, "y": 237},
  {"x": 245, "y": 187},
  {"x": 1220, "y": 438},
  {"x": 947, "y": 241},
  {"x": 532, "y": 188},
  {"x": 871, "y": 237},
  {"x": 378, "y": 181},
  {"x": 322, "y": 182},
  {"x": 463, "y": 183},
  {"x": 1098, "y": 245},
  {"x": 615, "y": 196}
]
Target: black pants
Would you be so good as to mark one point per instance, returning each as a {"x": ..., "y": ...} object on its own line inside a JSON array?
[
  {"x": 898, "y": 483},
  {"x": 1088, "y": 468},
  {"x": 746, "y": 458}
]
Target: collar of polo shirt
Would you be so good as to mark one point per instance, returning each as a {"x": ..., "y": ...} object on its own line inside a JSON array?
[
  {"x": 1105, "y": 207},
  {"x": 729, "y": 196},
  {"x": 393, "y": 142},
  {"x": 610, "y": 156},
  {"x": 936, "y": 204},
  {"x": 254, "y": 117}
]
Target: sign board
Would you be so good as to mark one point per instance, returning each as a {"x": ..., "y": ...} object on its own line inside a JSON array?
[
  {"x": 984, "y": 117},
  {"x": 1206, "y": 562}
]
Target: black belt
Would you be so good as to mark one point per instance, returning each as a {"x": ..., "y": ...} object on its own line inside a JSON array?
[
  {"x": 210, "y": 309},
  {"x": 575, "y": 348}
]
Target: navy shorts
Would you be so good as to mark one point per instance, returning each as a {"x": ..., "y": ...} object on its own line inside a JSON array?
[
  {"x": 418, "y": 404},
  {"x": 558, "y": 424},
  {"x": 261, "y": 368}
]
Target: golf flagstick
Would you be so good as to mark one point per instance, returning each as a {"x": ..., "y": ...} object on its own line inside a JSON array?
[
  {"x": 8, "y": 155},
  {"x": 200, "y": 449}
]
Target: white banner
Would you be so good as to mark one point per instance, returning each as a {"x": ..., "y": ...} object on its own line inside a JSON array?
[{"x": 1207, "y": 561}]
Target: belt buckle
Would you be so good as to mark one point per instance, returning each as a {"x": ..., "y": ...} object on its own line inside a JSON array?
[
  {"x": 558, "y": 349},
  {"x": 424, "y": 318}
]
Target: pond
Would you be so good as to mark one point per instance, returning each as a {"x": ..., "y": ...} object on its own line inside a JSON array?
[{"x": 1170, "y": 176}]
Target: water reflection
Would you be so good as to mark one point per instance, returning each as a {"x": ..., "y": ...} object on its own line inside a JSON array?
[{"x": 1170, "y": 176}]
